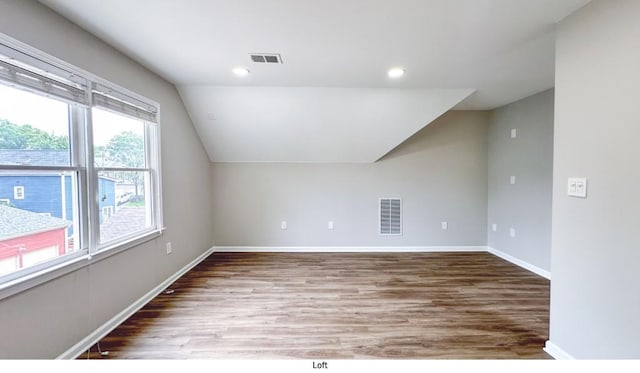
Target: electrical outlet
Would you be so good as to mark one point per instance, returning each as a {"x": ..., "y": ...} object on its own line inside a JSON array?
[
  {"x": 513, "y": 133},
  {"x": 445, "y": 225},
  {"x": 577, "y": 187},
  {"x": 283, "y": 225},
  {"x": 330, "y": 225},
  {"x": 512, "y": 232},
  {"x": 512, "y": 180},
  {"x": 169, "y": 248},
  {"x": 494, "y": 227}
]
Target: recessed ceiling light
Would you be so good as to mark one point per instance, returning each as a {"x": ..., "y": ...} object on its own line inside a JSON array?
[
  {"x": 395, "y": 72},
  {"x": 240, "y": 71}
]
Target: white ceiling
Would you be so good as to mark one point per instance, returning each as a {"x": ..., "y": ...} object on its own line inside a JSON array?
[{"x": 502, "y": 49}]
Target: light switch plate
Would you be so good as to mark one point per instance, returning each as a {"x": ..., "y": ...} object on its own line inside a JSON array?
[
  {"x": 577, "y": 187},
  {"x": 514, "y": 133},
  {"x": 512, "y": 180},
  {"x": 445, "y": 225}
]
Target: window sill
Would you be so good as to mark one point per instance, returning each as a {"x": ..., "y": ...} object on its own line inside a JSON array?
[
  {"x": 121, "y": 246},
  {"x": 29, "y": 281}
]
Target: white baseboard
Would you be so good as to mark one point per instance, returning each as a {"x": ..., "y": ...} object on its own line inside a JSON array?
[
  {"x": 347, "y": 249},
  {"x": 521, "y": 263},
  {"x": 118, "y": 319},
  {"x": 384, "y": 249},
  {"x": 556, "y": 352}
]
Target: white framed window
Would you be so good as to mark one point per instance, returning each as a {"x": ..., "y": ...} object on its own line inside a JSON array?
[
  {"x": 107, "y": 212},
  {"x": 125, "y": 166},
  {"x": 76, "y": 141},
  {"x": 18, "y": 192}
]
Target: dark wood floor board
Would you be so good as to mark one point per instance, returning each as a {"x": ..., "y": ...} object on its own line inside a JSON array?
[{"x": 342, "y": 306}]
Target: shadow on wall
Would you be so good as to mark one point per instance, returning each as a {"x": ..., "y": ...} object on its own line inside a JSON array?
[{"x": 433, "y": 136}]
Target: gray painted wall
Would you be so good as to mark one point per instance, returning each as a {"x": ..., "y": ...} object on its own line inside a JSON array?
[
  {"x": 46, "y": 320},
  {"x": 440, "y": 173},
  {"x": 526, "y": 205},
  {"x": 595, "y": 257}
]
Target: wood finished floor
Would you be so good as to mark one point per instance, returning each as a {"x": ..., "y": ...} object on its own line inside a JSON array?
[{"x": 342, "y": 306}]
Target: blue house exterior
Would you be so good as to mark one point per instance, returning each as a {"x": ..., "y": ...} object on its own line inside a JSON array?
[
  {"x": 48, "y": 192},
  {"x": 43, "y": 193},
  {"x": 40, "y": 193},
  {"x": 107, "y": 197}
]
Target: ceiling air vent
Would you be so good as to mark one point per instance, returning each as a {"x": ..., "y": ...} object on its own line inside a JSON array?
[
  {"x": 266, "y": 58},
  {"x": 390, "y": 216}
]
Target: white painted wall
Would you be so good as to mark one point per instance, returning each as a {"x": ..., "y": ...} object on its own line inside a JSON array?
[
  {"x": 526, "y": 205},
  {"x": 440, "y": 173},
  {"x": 46, "y": 320},
  {"x": 595, "y": 257}
]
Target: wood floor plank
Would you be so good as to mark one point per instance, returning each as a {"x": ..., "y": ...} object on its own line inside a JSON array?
[{"x": 342, "y": 306}]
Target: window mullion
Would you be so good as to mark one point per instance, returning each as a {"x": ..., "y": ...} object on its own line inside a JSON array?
[
  {"x": 77, "y": 138},
  {"x": 93, "y": 213}
]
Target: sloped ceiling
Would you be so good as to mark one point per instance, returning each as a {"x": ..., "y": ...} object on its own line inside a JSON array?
[
  {"x": 330, "y": 101},
  {"x": 311, "y": 124}
]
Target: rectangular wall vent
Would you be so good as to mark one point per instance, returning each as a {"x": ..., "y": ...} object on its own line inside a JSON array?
[
  {"x": 266, "y": 58},
  {"x": 390, "y": 216}
]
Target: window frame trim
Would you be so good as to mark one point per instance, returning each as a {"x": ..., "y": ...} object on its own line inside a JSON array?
[
  {"x": 35, "y": 278},
  {"x": 82, "y": 162},
  {"x": 153, "y": 167},
  {"x": 20, "y": 194}
]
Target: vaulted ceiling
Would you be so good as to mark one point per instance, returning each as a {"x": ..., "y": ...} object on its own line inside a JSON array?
[{"x": 331, "y": 99}]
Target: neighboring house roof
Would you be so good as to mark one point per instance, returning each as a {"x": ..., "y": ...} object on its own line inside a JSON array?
[
  {"x": 34, "y": 157},
  {"x": 17, "y": 223},
  {"x": 39, "y": 157}
]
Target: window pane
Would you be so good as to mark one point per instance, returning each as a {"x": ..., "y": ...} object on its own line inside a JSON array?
[
  {"x": 34, "y": 130},
  {"x": 43, "y": 224},
  {"x": 124, "y": 204},
  {"x": 118, "y": 140}
]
